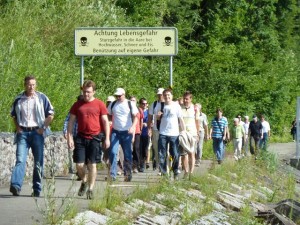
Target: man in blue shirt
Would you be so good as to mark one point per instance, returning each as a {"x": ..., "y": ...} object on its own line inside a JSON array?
[
  {"x": 32, "y": 113},
  {"x": 218, "y": 131}
]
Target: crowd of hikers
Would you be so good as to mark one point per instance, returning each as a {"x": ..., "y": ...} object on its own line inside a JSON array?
[{"x": 128, "y": 134}]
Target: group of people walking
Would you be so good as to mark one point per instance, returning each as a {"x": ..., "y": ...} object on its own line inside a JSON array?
[{"x": 177, "y": 131}]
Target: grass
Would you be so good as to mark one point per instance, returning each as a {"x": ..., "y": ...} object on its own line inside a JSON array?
[
  {"x": 247, "y": 173},
  {"x": 55, "y": 210}
]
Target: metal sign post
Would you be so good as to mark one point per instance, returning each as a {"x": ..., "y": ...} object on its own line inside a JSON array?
[
  {"x": 298, "y": 129},
  {"x": 81, "y": 71},
  {"x": 126, "y": 41},
  {"x": 171, "y": 72}
]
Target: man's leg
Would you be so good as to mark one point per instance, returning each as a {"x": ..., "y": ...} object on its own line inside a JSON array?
[
  {"x": 79, "y": 156},
  {"x": 235, "y": 146},
  {"x": 162, "y": 152},
  {"x": 114, "y": 147},
  {"x": 155, "y": 137},
  {"x": 199, "y": 148},
  {"x": 174, "y": 152},
  {"x": 37, "y": 146},
  {"x": 252, "y": 145},
  {"x": 18, "y": 173},
  {"x": 126, "y": 144}
]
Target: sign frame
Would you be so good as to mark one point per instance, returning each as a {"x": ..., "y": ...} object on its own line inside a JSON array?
[{"x": 169, "y": 42}]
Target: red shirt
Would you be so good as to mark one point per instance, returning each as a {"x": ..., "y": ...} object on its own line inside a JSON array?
[
  {"x": 88, "y": 116},
  {"x": 139, "y": 124}
]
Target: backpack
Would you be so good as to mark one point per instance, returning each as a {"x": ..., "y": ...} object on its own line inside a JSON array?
[
  {"x": 161, "y": 109},
  {"x": 129, "y": 105}
]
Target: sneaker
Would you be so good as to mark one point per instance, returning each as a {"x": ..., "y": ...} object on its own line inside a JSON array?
[
  {"x": 219, "y": 161},
  {"x": 119, "y": 173},
  {"x": 90, "y": 194},
  {"x": 197, "y": 163},
  {"x": 15, "y": 191},
  {"x": 135, "y": 170},
  {"x": 147, "y": 165},
  {"x": 128, "y": 178},
  {"x": 35, "y": 194},
  {"x": 82, "y": 189}
]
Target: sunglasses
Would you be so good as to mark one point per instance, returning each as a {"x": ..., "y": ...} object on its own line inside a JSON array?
[
  {"x": 118, "y": 96},
  {"x": 144, "y": 103}
]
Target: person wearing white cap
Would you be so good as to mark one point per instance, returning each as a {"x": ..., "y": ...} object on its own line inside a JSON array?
[
  {"x": 124, "y": 120},
  {"x": 155, "y": 107},
  {"x": 246, "y": 128}
]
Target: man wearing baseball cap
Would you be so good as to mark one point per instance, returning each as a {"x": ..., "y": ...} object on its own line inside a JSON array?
[{"x": 124, "y": 120}]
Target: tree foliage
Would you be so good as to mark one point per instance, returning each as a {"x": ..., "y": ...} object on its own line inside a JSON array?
[{"x": 240, "y": 55}]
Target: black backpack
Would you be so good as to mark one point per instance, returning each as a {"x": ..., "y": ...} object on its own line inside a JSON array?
[{"x": 161, "y": 109}]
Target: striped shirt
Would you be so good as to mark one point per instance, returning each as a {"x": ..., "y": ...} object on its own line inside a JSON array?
[{"x": 218, "y": 127}]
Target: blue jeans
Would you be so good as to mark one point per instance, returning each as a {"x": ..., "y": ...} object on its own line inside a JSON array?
[
  {"x": 264, "y": 142},
  {"x": 163, "y": 142},
  {"x": 35, "y": 141},
  {"x": 218, "y": 147},
  {"x": 124, "y": 139}
]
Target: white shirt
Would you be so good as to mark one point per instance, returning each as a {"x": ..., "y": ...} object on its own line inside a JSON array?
[
  {"x": 265, "y": 126},
  {"x": 121, "y": 118},
  {"x": 169, "y": 124},
  {"x": 246, "y": 127},
  {"x": 202, "y": 119}
]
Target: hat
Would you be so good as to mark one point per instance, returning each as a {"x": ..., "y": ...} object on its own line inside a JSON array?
[
  {"x": 254, "y": 116},
  {"x": 110, "y": 99},
  {"x": 119, "y": 91},
  {"x": 236, "y": 120},
  {"x": 160, "y": 91},
  {"x": 247, "y": 117}
]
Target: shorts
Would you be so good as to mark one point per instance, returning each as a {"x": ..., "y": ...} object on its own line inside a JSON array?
[{"x": 87, "y": 150}]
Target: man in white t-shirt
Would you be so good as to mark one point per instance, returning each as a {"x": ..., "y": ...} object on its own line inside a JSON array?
[
  {"x": 124, "y": 120},
  {"x": 152, "y": 122},
  {"x": 266, "y": 133},
  {"x": 170, "y": 120}
]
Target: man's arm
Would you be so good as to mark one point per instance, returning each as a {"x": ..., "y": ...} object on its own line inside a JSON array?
[
  {"x": 210, "y": 133},
  {"x": 105, "y": 122},
  {"x": 181, "y": 123},
  {"x": 133, "y": 126}
]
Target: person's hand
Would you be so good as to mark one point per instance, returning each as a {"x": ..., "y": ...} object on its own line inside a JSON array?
[
  {"x": 19, "y": 130},
  {"x": 106, "y": 143},
  {"x": 131, "y": 130},
  {"x": 159, "y": 114},
  {"x": 40, "y": 131},
  {"x": 71, "y": 144}
]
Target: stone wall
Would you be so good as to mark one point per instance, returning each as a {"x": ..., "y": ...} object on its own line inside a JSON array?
[{"x": 55, "y": 159}]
